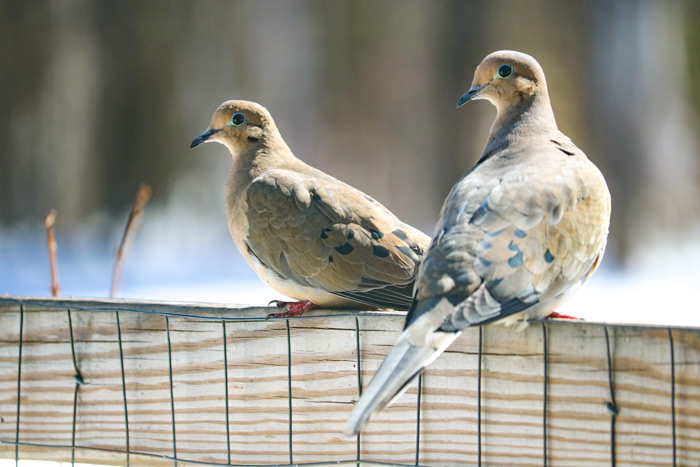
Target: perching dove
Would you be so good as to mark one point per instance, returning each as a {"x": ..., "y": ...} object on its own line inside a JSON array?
[
  {"x": 517, "y": 235},
  {"x": 308, "y": 235}
]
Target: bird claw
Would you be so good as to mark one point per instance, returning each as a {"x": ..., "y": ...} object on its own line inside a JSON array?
[
  {"x": 292, "y": 308},
  {"x": 554, "y": 314}
]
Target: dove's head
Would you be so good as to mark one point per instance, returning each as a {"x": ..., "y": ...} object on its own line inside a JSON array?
[
  {"x": 506, "y": 78},
  {"x": 239, "y": 125}
]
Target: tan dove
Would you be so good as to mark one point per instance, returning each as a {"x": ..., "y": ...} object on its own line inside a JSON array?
[
  {"x": 307, "y": 234},
  {"x": 521, "y": 231}
]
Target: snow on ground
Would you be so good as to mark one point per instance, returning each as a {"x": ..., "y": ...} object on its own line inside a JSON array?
[{"x": 207, "y": 268}]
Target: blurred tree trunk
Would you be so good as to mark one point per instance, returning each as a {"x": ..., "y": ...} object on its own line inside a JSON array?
[
  {"x": 69, "y": 174},
  {"x": 643, "y": 124},
  {"x": 24, "y": 59}
]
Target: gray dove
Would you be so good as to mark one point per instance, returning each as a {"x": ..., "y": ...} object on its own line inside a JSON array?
[{"x": 517, "y": 235}]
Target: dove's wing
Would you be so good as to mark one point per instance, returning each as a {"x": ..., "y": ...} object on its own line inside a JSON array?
[
  {"x": 516, "y": 235},
  {"x": 319, "y": 232}
]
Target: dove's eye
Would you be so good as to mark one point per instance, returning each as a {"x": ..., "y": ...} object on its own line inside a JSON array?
[
  {"x": 238, "y": 119},
  {"x": 505, "y": 71}
]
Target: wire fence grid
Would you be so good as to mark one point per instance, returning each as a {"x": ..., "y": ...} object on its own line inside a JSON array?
[{"x": 177, "y": 457}]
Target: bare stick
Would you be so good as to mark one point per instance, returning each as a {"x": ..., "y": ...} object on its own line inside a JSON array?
[
  {"x": 51, "y": 240},
  {"x": 132, "y": 224}
]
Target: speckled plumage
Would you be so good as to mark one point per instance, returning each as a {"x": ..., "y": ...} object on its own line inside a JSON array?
[
  {"x": 519, "y": 233},
  {"x": 307, "y": 234}
]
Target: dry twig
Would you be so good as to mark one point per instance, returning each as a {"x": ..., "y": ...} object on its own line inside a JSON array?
[
  {"x": 51, "y": 240},
  {"x": 132, "y": 224}
]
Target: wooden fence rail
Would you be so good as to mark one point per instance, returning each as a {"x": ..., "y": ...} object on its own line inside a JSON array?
[{"x": 146, "y": 383}]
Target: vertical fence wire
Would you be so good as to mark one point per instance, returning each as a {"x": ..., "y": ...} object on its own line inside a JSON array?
[
  {"x": 611, "y": 405},
  {"x": 478, "y": 398},
  {"x": 78, "y": 377},
  {"x": 673, "y": 395},
  {"x": 420, "y": 386},
  {"x": 78, "y": 381},
  {"x": 75, "y": 413},
  {"x": 172, "y": 397},
  {"x": 289, "y": 388},
  {"x": 126, "y": 408},
  {"x": 19, "y": 381},
  {"x": 545, "y": 391},
  {"x": 228, "y": 427},
  {"x": 359, "y": 378}
]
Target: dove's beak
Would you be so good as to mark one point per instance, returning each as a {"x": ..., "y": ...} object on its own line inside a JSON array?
[
  {"x": 203, "y": 137},
  {"x": 473, "y": 92}
]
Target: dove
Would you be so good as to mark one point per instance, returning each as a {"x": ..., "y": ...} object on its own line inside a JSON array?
[
  {"x": 517, "y": 235},
  {"x": 308, "y": 235}
]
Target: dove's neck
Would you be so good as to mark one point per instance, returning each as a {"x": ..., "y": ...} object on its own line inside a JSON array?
[
  {"x": 530, "y": 118},
  {"x": 256, "y": 158}
]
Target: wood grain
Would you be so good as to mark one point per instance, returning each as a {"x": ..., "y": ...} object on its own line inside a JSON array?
[{"x": 324, "y": 377}]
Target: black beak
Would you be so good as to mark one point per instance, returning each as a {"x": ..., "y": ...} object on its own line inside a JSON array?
[
  {"x": 203, "y": 137},
  {"x": 471, "y": 94}
]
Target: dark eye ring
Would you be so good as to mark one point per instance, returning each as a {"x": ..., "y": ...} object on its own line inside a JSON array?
[
  {"x": 237, "y": 119},
  {"x": 505, "y": 71}
]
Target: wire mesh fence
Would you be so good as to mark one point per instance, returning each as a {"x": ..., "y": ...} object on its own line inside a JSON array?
[{"x": 138, "y": 383}]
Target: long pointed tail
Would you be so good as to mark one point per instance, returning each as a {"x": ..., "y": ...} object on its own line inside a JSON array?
[{"x": 400, "y": 367}]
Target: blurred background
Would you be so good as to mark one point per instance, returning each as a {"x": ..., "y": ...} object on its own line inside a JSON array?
[{"x": 100, "y": 96}]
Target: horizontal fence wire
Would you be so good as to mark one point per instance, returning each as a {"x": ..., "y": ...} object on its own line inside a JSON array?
[
  {"x": 198, "y": 462},
  {"x": 52, "y": 304},
  {"x": 203, "y": 316}
]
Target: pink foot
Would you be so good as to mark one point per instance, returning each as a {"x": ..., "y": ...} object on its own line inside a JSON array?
[
  {"x": 292, "y": 309},
  {"x": 554, "y": 314}
]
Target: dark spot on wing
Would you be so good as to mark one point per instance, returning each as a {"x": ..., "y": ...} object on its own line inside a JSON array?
[
  {"x": 548, "y": 256},
  {"x": 400, "y": 234},
  {"x": 323, "y": 234},
  {"x": 568, "y": 153},
  {"x": 344, "y": 249},
  {"x": 252, "y": 139},
  {"x": 495, "y": 282},
  {"x": 350, "y": 235},
  {"x": 484, "y": 244},
  {"x": 330, "y": 259},
  {"x": 485, "y": 262},
  {"x": 480, "y": 213},
  {"x": 560, "y": 147},
  {"x": 379, "y": 251},
  {"x": 496, "y": 233},
  {"x": 516, "y": 260},
  {"x": 512, "y": 246},
  {"x": 519, "y": 233},
  {"x": 376, "y": 234},
  {"x": 408, "y": 252}
]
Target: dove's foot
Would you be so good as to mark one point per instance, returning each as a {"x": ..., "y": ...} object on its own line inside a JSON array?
[
  {"x": 292, "y": 309},
  {"x": 554, "y": 314}
]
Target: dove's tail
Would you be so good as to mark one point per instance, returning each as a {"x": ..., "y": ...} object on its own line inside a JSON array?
[{"x": 400, "y": 367}]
